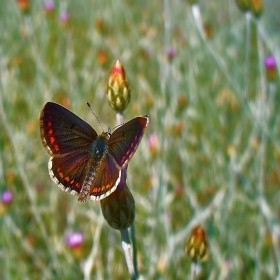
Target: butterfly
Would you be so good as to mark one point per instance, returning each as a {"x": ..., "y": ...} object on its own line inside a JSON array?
[{"x": 82, "y": 162}]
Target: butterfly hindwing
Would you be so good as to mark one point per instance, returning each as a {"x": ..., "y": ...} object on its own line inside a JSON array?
[
  {"x": 69, "y": 172},
  {"x": 106, "y": 179},
  {"x": 125, "y": 139}
]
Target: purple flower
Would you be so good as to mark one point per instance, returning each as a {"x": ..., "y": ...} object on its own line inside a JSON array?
[
  {"x": 270, "y": 62},
  {"x": 75, "y": 239},
  {"x": 64, "y": 17},
  {"x": 171, "y": 52},
  {"x": 49, "y": 5},
  {"x": 271, "y": 68},
  {"x": 7, "y": 197}
]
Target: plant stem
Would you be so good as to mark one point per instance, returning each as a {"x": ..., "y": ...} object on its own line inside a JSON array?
[{"x": 127, "y": 253}]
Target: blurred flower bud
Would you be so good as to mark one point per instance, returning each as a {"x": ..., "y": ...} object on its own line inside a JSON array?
[
  {"x": 197, "y": 245},
  {"x": 178, "y": 129},
  {"x": 153, "y": 144},
  {"x": 256, "y": 7},
  {"x": 271, "y": 67},
  {"x": 243, "y": 5},
  {"x": 49, "y": 7},
  {"x": 171, "y": 52},
  {"x": 75, "y": 239},
  {"x": 102, "y": 57},
  {"x": 119, "y": 208},
  {"x": 182, "y": 103},
  {"x": 23, "y": 5},
  {"x": 192, "y": 1},
  {"x": 64, "y": 18},
  {"x": 100, "y": 25},
  {"x": 118, "y": 91},
  {"x": 7, "y": 197}
]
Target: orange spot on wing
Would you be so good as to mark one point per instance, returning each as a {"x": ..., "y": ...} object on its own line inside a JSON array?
[
  {"x": 52, "y": 139},
  {"x": 95, "y": 189},
  {"x": 60, "y": 174},
  {"x": 67, "y": 179},
  {"x": 50, "y": 131}
]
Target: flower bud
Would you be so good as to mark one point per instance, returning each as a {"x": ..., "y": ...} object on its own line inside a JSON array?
[
  {"x": 7, "y": 197},
  {"x": 171, "y": 52},
  {"x": 197, "y": 245},
  {"x": 153, "y": 144},
  {"x": 49, "y": 7},
  {"x": 119, "y": 208},
  {"x": 23, "y": 5},
  {"x": 192, "y": 1},
  {"x": 118, "y": 91},
  {"x": 271, "y": 67},
  {"x": 256, "y": 7},
  {"x": 64, "y": 18},
  {"x": 75, "y": 242},
  {"x": 75, "y": 239},
  {"x": 243, "y": 5}
]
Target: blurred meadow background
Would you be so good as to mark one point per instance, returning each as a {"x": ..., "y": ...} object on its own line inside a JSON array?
[{"x": 206, "y": 74}]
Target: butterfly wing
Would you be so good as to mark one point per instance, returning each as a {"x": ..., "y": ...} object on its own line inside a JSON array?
[
  {"x": 125, "y": 139},
  {"x": 63, "y": 132},
  {"x": 67, "y": 139},
  {"x": 69, "y": 172},
  {"x": 106, "y": 179}
]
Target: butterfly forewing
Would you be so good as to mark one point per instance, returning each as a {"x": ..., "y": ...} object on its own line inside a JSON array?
[
  {"x": 63, "y": 132},
  {"x": 125, "y": 139}
]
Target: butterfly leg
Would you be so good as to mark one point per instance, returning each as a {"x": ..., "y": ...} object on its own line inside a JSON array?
[{"x": 85, "y": 190}]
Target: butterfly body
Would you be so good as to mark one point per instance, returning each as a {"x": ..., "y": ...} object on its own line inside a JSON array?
[
  {"x": 99, "y": 147},
  {"x": 83, "y": 162}
]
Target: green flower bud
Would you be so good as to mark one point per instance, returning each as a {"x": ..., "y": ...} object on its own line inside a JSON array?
[
  {"x": 192, "y": 1},
  {"x": 197, "y": 245},
  {"x": 243, "y": 5},
  {"x": 119, "y": 208},
  {"x": 256, "y": 7},
  {"x": 118, "y": 91}
]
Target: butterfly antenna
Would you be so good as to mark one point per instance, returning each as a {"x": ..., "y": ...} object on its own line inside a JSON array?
[{"x": 95, "y": 116}]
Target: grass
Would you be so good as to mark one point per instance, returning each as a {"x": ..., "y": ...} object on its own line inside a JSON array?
[{"x": 212, "y": 108}]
